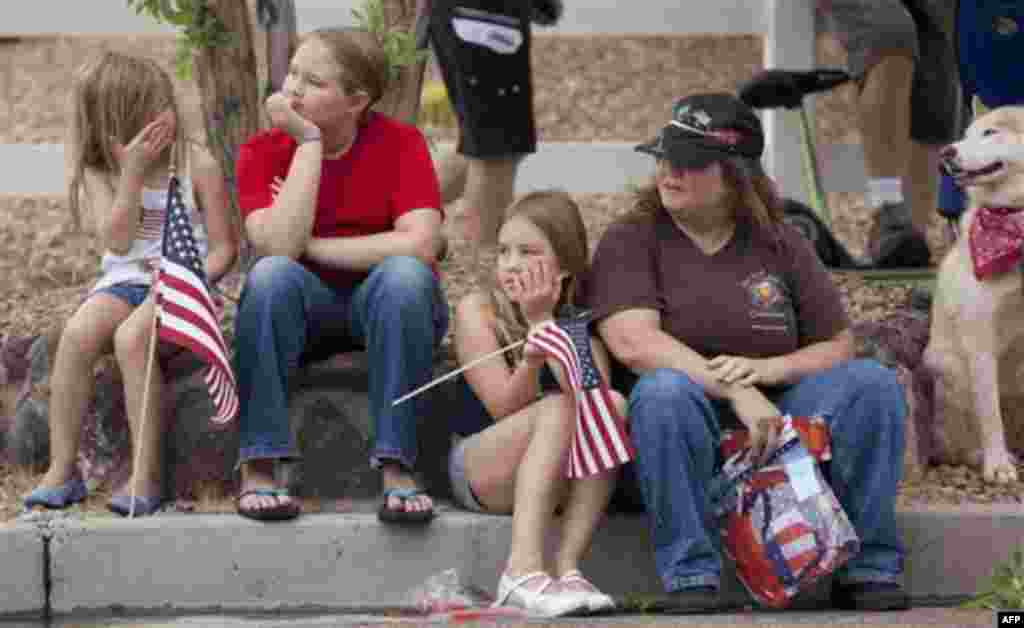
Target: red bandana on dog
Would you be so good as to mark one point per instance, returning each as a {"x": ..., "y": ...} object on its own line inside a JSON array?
[{"x": 996, "y": 238}]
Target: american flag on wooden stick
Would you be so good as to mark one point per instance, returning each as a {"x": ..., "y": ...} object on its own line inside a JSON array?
[
  {"x": 600, "y": 442},
  {"x": 186, "y": 315}
]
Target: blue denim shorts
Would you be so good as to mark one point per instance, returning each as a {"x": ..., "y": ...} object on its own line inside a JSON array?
[
  {"x": 132, "y": 293},
  {"x": 461, "y": 488}
]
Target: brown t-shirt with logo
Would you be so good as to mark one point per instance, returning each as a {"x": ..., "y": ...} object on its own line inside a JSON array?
[{"x": 758, "y": 296}]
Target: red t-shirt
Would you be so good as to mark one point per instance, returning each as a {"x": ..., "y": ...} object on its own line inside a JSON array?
[{"x": 387, "y": 173}]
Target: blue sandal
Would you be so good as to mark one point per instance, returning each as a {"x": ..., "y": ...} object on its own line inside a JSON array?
[
  {"x": 58, "y": 498},
  {"x": 400, "y": 514},
  {"x": 144, "y": 506},
  {"x": 283, "y": 511}
]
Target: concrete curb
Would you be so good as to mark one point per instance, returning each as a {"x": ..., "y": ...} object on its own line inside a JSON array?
[
  {"x": 22, "y": 588},
  {"x": 349, "y": 562},
  {"x": 952, "y": 551},
  {"x": 224, "y": 562}
]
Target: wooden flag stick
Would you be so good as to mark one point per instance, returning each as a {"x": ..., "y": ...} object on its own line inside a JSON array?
[
  {"x": 145, "y": 404},
  {"x": 448, "y": 376}
]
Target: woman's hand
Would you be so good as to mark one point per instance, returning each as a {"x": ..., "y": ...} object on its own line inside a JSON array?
[
  {"x": 762, "y": 419},
  {"x": 141, "y": 153},
  {"x": 736, "y": 369},
  {"x": 537, "y": 290},
  {"x": 283, "y": 116}
]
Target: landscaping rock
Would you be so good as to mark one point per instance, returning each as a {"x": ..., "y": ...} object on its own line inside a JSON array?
[
  {"x": 329, "y": 414},
  {"x": 899, "y": 342}
]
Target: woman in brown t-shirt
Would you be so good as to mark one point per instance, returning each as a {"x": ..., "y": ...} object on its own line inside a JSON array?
[{"x": 727, "y": 317}]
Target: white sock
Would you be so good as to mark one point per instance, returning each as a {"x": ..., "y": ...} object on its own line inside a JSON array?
[{"x": 885, "y": 190}]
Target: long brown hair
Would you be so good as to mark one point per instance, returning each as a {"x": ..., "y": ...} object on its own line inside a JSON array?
[
  {"x": 113, "y": 97},
  {"x": 558, "y": 217},
  {"x": 752, "y": 192}
]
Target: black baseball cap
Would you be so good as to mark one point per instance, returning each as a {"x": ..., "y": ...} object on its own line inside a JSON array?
[{"x": 706, "y": 128}]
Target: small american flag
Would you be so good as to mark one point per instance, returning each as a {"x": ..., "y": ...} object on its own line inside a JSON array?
[
  {"x": 600, "y": 442},
  {"x": 151, "y": 222},
  {"x": 186, "y": 313}
]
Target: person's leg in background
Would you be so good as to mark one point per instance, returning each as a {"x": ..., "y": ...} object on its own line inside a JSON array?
[
  {"x": 935, "y": 106},
  {"x": 490, "y": 188},
  {"x": 904, "y": 64},
  {"x": 451, "y": 174},
  {"x": 486, "y": 70}
]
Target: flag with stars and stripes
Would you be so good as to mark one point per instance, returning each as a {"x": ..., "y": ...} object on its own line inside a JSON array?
[
  {"x": 151, "y": 222},
  {"x": 186, "y": 315},
  {"x": 600, "y": 441}
]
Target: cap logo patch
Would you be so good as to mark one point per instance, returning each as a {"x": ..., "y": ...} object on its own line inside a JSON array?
[{"x": 696, "y": 120}]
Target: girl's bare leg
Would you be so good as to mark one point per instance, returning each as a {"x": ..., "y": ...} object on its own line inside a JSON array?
[
  {"x": 518, "y": 466},
  {"x": 588, "y": 502},
  {"x": 586, "y": 507},
  {"x": 540, "y": 485},
  {"x": 87, "y": 336},
  {"x": 131, "y": 345}
]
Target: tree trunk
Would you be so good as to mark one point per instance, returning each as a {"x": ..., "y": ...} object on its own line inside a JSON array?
[
  {"x": 228, "y": 81},
  {"x": 402, "y": 101},
  {"x": 276, "y": 39}
]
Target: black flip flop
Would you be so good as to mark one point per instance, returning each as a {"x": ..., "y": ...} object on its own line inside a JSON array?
[
  {"x": 401, "y": 515},
  {"x": 280, "y": 512}
]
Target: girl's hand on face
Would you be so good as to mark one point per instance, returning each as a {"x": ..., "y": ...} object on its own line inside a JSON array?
[
  {"x": 283, "y": 116},
  {"x": 141, "y": 153},
  {"x": 537, "y": 290}
]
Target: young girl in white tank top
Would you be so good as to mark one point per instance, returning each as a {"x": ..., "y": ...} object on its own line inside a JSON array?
[{"x": 125, "y": 136}]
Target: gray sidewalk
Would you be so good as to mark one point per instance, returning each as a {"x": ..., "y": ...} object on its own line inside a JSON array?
[
  {"x": 913, "y": 617},
  {"x": 597, "y": 167},
  {"x": 349, "y": 563}
]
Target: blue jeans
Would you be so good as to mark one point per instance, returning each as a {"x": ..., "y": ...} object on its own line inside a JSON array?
[
  {"x": 287, "y": 316},
  {"x": 676, "y": 430}
]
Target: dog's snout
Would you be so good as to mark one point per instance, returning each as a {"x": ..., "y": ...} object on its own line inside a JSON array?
[{"x": 948, "y": 152}]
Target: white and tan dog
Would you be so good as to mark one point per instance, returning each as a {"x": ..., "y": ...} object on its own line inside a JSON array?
[{"x": 976, "y": 347}]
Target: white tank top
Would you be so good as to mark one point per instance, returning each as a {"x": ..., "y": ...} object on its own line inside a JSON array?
[{"x": 139, "y": 263}]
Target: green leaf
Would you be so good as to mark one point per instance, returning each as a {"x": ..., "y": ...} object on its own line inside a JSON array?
[{"x": 183, "y": 60}]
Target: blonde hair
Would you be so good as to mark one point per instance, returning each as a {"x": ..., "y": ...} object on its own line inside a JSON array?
[
  {"x": 558, "y": 217},
  {"x": 752, "y": 192},
  {"x": 113, "y": 97},
  {"x": 361, "y": 58}
]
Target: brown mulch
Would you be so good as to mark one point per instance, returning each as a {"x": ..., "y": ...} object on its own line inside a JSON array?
[{"x": 586, "y": 88}]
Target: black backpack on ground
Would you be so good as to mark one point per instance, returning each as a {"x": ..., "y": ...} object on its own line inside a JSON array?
[{"x": 830, "y": 250}]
